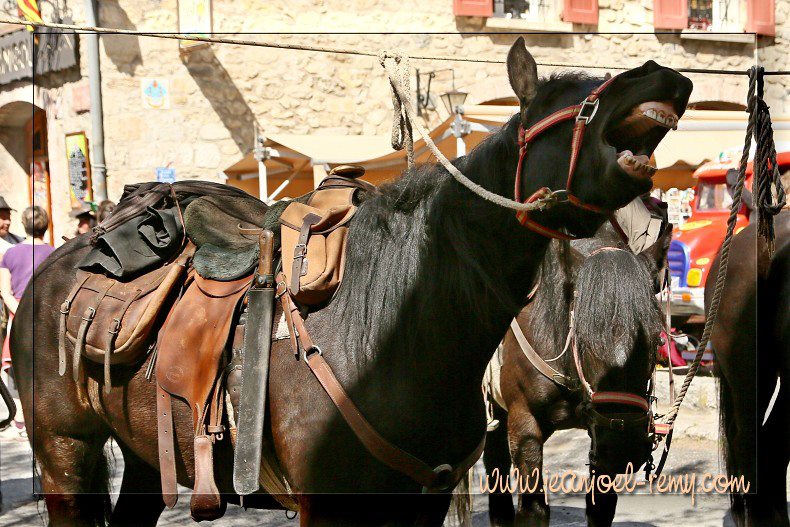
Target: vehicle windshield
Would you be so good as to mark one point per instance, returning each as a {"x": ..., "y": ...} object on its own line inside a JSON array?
[{"x": 713, "y": 197}]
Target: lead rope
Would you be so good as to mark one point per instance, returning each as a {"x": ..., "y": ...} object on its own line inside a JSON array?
[
  {"x": 766, "y": 177},
  {"x": 402, "y": 103}
]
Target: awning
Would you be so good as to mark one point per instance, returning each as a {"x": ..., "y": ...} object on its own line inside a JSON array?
[
  {"x": 293, "y": 157},
  {"x": 703, "y": 134},
  {"x": 296, "y": 160}
]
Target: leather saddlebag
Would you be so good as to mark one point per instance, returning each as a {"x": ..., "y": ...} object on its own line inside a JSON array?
[
  {"x": 313, "y": 241},
  {"x": 108, "y": 321}
]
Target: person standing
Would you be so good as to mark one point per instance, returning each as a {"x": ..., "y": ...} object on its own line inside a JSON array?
[
  {"x": 16, "y": 270},
  {"x": 7, "y": 240}
]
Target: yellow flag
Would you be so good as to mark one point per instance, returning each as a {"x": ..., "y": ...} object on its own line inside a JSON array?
[{"x": 29, "y": 10}]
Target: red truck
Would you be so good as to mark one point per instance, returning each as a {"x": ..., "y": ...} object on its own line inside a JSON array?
[{"x": 697, "y": 241}]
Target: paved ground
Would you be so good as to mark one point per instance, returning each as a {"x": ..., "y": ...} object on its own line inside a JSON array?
[{"x": 694, "y": 450}]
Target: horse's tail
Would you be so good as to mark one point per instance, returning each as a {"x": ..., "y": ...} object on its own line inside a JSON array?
[{"x": 461, "y": 503}]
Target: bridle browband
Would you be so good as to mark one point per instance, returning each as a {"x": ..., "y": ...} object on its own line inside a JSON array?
[{"x": 583, "y": 113}]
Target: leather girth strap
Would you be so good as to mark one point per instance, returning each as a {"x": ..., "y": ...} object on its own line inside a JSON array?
[{"x": 439, "y": 479}]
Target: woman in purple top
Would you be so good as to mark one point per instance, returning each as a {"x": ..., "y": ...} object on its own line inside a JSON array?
[{"x": 16, "y": 269}]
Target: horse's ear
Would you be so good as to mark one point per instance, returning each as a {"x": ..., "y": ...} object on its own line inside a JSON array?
[
  {"x": 607, "y": 76},
  {"x": 522, "y": 72}
]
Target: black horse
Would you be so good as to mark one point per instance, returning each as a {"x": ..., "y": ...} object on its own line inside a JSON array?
[
  {"x": 617, "y": 324},
  {"x": 433, "y": 276},
  {"x": 751, "y": 339}
]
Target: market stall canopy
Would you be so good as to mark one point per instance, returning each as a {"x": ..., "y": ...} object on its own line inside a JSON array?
[{"x": 292, "y": 157}]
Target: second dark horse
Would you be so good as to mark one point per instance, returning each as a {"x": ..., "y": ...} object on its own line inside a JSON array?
[
  {"x": 617, "y": 324},
  {"x": 433, "y": 276}
]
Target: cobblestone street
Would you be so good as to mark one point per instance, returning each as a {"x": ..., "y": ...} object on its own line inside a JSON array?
[{"x": 694, "y": 450}]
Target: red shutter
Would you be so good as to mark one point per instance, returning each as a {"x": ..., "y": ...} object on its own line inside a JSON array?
[
  {"x": 473, "y": 7},
  {"x": 760, "y": 17},
  {"x": 580, "y": 11},
  {"x": 670, "y": 14}
]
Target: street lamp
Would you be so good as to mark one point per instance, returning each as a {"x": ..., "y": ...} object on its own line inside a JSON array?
[{"x": 454, "y": 103}]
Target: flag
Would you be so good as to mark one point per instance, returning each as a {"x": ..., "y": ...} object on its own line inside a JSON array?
[{"x": 29, "y": 10}]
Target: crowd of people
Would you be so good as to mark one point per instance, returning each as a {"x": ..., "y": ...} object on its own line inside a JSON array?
[{"x": 19, "y": 258}]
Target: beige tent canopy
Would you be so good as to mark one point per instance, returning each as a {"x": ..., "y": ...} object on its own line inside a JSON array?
[{"x": 298, "y": 162}]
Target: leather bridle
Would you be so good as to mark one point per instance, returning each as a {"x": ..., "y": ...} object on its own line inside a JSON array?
[{"x": 583, "y": 113}]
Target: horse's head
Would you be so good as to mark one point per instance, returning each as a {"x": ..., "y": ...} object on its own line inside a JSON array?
[
  {"x": 625, "y": 118},
  {"x": 617, "y": 330}
]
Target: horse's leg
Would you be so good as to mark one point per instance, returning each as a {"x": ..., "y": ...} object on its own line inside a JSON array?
[
  {"x": 601, "y": 513},
  {"x": 140, "y": 499},
  {"x": 74, "y": 477},
  {"x": 497, "y": 456},
  {"x": 526, "y": 449}
]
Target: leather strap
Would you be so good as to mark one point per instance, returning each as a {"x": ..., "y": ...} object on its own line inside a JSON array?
[
  {"x": 300, "y": 251},
  {"x": 82, "y": 333},
  {"x": 167, "y": 460},
  {"x": 541, "y": 365},
  {"x": 64, "y": 315},
  {"x": 443, "y": 477},
  {"x": 114, "y": 329}
]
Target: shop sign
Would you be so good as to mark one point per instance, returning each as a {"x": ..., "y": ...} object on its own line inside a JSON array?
[
  {"x": 194, "y": 18},
  {"x": 166, "y": 175},
  {"x": 79, "y": 169},
  {"x": 54, "y": 52}
]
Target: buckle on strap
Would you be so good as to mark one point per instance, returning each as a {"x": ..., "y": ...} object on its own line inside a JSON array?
[{"x": 587, "y": 110}]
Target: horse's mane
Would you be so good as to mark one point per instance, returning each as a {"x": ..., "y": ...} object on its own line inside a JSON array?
[
  {"x": 614, "y": 306},
  {"x": 413, "y": 227}
]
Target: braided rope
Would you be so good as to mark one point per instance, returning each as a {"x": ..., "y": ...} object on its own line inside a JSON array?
[
  {"x": 765, "y": 156},
  {"x": 402, "y": 133},
  {"x": 390, "y": 62},
  {"x": 351, "y": 51}
]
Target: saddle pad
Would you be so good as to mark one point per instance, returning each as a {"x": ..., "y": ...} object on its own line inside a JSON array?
[
  {"x": 194, "y": 336},
  {"x": 215, "y": 220}
]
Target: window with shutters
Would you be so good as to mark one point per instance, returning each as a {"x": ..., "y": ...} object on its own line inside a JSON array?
[
  {"x": 530, "y": 10},
  {"x": 715, "y": 15}
]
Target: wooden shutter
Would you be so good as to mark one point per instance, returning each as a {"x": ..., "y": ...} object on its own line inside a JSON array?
[
  {"x": 670, "y": 14},
  {"x": 580, "y": 11},
  {"x": 760, "y": 17},
  {"x": 473, "y": 7}
]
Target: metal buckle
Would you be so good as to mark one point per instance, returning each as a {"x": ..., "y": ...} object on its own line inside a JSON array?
[
  {"x": 116, "y": 327},
  {"x": 65, "y": 307},
  {"x": 300, "y": 250},
  {"x": 586, "y": 103},
  {"x": 306, "y": 354},
  {"x": 560, "y": 196},
  {"x": 92, "y": 314}
]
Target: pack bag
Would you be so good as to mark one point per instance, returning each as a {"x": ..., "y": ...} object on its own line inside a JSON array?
[
  {"x": 314, "y": 234},
  {"x": 107, "y": 320}
]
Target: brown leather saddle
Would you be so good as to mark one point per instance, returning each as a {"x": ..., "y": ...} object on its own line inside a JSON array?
[{"x": 113, "y": 322}]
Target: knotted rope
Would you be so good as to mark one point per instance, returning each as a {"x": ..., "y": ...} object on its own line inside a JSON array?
[
  {"x": 766, "y": 178},
  {"x": 402, "y": 133},
  {"x": 405, "y": 119}
]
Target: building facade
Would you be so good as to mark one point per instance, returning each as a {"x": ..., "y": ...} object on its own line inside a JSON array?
[{"x": 192, "y": 111}]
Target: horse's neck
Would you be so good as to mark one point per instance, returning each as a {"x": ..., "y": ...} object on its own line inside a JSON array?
[{"x": 457, "y": 271}]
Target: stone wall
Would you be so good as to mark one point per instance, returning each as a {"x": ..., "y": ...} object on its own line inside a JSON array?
[{"x": 219, "y": 92}]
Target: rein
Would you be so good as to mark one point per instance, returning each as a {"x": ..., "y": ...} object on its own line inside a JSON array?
[{"x": 583, "y": 113}]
